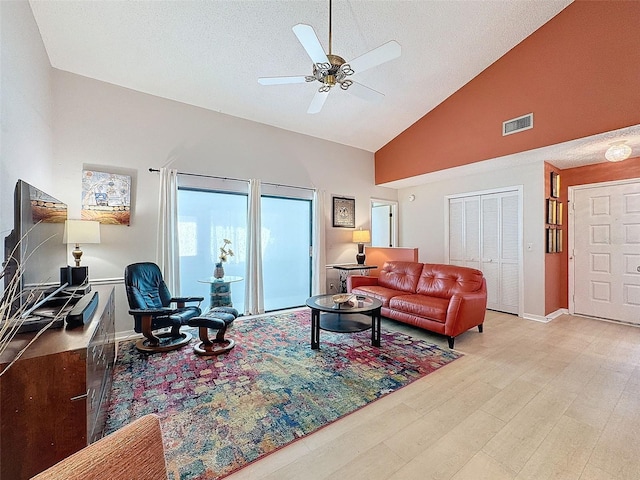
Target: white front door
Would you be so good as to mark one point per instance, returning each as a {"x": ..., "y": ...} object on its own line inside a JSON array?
[{"x": 606, "y": 252}]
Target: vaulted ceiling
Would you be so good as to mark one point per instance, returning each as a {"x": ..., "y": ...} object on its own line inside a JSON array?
[{"x": 211, "y": 53}]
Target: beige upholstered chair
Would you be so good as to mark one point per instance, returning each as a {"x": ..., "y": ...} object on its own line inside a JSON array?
[{"x": 134, "y": 452}]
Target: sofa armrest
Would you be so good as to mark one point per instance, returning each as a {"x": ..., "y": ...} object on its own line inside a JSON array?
[
  {"x": 465, "y": 311},
  {"x": 355, "y": 281}
]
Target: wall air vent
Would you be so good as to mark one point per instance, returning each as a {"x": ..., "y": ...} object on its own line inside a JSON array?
[{"x": 516, "y": 125}]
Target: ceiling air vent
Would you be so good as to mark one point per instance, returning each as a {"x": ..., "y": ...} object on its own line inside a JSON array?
[{"x": 516, "y": 125}]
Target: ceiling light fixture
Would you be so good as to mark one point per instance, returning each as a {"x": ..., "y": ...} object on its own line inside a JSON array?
[
  {"x": 617, "y": 152},
  {"x": 331, "y": 70}
]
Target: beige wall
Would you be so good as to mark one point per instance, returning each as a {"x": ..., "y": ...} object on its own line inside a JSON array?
[
  {"x": 105, "y": 126},
  {"x": 26, "y": 104}
]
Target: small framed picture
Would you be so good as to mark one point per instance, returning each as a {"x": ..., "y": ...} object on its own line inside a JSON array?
[
  {"x": 559, "y": 213},
  {"x": 558, "y": 240},
  {"x": 344, "y": 212},
  {"x": 551, "y": 211},
  {"x": 555, "y": 185},
  {"x": 551, "y": 240}
]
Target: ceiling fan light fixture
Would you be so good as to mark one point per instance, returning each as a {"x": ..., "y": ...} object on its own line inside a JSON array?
[
  {"x": 331, "y": 70},
  {"x": 618, "y": 152},
  {"x": 331, "y": 73}
]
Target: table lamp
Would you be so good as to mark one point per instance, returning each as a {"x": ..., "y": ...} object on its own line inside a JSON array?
[
  {"x": 361, "y": 237},
  {"x": 77, "y": 232}
]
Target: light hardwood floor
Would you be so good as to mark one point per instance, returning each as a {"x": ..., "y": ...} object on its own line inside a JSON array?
[{"x": 527, "y": 401}]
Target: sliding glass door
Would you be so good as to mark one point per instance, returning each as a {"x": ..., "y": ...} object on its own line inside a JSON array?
[
  {"x": 286, "y": 258},
  {"x": 205, "y": 219},
  {"x": 208, "y": 217}
]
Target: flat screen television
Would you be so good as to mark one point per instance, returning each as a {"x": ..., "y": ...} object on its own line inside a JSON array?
[{"x": 34, "y": 251}]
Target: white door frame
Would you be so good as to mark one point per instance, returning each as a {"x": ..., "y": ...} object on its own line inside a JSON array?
[
  {"x": 394, "y": 213},
  {"x": 515, "y": 188},
  {"x": 571, "y": 243}
]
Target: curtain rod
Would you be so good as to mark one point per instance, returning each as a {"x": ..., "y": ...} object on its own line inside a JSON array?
[{"x": 234, "y": 179}]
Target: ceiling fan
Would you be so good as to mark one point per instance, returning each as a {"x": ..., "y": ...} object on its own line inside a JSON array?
[{"x": 331, "y": 70}]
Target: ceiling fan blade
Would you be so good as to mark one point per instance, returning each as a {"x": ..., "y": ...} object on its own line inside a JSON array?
[
  {"x": 281, "y": 80},
  {"x": 309, "y": 40},
  {"x": 366, "y": 93},
  {"x": 317, "y": 102},
  {"x": 375, "y": 57}
]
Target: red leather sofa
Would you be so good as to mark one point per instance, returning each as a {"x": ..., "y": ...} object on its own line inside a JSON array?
[{"x": 444, "y": 299}]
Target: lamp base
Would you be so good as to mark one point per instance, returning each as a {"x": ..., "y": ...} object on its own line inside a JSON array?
[{"x": 360, "y": 256}]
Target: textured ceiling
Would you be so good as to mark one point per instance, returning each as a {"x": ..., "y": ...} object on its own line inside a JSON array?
[{"x": 211, "y": 53}]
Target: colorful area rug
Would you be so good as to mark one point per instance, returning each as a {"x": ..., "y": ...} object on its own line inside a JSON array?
[{"x": 221, "y": 413}]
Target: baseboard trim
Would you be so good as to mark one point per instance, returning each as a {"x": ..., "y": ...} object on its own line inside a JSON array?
[
  {"x": 536, "y": 318},
  {"x": 127, "y": 335},
  {"x": 546, "y": 318},
  {"x": 558, "y": 313}
]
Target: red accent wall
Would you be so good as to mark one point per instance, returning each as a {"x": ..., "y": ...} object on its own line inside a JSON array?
[
  {"x": 379, "y": 255},
  {"x": 579, "y": 75},
  {"x": 557, "y": 265}
]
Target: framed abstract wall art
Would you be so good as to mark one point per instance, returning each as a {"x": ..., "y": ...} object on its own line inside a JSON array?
[{"x": 106, "y": 197}]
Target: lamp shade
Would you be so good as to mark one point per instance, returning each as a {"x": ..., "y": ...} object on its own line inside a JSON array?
[
  {"x": 361, "y": 236},
  {"x": 81, "y": 231}
]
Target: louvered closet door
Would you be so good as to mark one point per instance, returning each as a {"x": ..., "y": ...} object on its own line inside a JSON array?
[
  {"x": 456, "y": 232},
  {"x": 509, "y": 253},
  {"x": 464, "y": 232},
  {"x": 607, "y": 252},
  {"x": 484, "y": 233},
  {"x": 472, "y": 245}
]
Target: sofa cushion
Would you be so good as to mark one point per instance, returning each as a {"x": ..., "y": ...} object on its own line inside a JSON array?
[
  {"x": 401, "y": 276},
  {"x": 444, "y": 281},
  {"x": 433, "y": 308},
  {"x": 381, "y": 293}
]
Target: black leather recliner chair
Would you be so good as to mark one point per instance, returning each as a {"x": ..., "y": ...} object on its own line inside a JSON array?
[{"x": 150, "y": 303}]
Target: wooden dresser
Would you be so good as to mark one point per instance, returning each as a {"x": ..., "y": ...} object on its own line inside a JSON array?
[{"x": 53, "y": 401}]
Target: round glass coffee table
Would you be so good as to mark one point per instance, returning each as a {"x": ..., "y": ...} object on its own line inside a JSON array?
[{"x": 344, "y": 317}]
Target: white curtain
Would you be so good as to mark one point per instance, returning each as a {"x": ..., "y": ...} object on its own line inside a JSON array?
[
  {"x": 318, "y": 267},
  {"x": 253, "y": 289},
  {"x": 168, "y": 258}
]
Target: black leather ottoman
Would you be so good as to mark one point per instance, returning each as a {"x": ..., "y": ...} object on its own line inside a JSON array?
[{"x": 217, "y": 318}]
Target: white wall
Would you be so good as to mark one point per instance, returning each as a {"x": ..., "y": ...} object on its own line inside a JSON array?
[
  {"x": 105, "y": 126},
  {"x": 26, "y": 103},
  {"x": 422, "y": 221}
]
